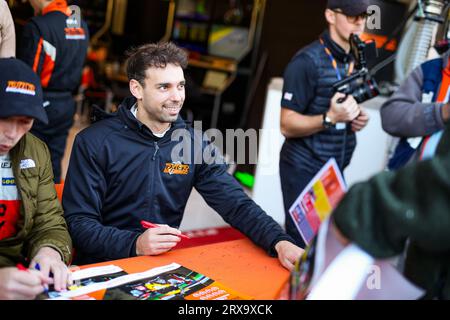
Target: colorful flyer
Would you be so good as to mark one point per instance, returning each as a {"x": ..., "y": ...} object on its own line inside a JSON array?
[
  {"x": 169, "y": 282},
  {"x": 178, "y": 284},
  {"x": 317, "y": 200}
]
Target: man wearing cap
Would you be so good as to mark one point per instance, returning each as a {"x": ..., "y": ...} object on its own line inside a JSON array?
[
  {"x": 54, "y": 43},
  {"x": 33, "y": 231},
  {"x": 310, "y": 111}
]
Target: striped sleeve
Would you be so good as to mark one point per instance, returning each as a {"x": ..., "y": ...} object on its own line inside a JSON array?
[{"x": 32, "y": 48}]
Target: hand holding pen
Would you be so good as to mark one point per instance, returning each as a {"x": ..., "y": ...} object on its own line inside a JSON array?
[
  {"x": 157, "y": 239},
  {"x": 48, "y": 262},
  {"x": 149, "y": 225},
  {"x": 29, "y": 282}
]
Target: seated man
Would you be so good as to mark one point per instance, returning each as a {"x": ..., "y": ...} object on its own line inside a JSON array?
[
  {"x": 32, "y": 227},
  {"x": 124, "y": 169}
]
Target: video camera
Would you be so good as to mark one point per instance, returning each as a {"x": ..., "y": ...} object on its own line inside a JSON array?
[{"x": 361, "y": 85}]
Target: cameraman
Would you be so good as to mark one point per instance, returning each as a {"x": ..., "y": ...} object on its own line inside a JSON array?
[{"x": 310, "y": 111}]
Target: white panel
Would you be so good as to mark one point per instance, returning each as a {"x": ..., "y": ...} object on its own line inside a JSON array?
[{"x": 267, "y": 190}]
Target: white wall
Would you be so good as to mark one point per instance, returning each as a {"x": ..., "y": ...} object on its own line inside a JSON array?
[
  {"x": 370, "y": 154},
  {"x": 267, "y": 188}
]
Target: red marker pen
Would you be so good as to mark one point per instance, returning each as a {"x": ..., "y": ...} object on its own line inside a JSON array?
[
  {"x": 149, "y": 225},
  {"x": 21, "y": 267}
]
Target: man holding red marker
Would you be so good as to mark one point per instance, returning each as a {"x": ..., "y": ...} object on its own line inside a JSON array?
[{"x": 126, "y": 168}]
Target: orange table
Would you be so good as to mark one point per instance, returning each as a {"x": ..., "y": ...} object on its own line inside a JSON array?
[{"x": 240, "y": 265}]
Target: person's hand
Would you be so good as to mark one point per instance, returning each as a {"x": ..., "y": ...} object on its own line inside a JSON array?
[
  {"x": 20, "y": 285},
  {"x": 288, "y": 253},
  {"x": 156, "y": 241},
  {"x": 361, "y": 121},
  {"x": 346, "y": 111},
  {"x": 49, "y": 261}
]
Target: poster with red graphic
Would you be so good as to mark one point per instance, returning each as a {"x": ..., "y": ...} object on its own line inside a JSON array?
[{"x": 317, "y": 200}]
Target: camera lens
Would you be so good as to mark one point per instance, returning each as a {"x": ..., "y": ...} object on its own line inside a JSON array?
[{"x": 365, "y": 91}]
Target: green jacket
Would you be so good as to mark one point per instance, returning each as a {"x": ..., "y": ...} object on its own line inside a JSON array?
[
  {"x": 41, "y": 223},
  {"x": 381, "y": 214}
]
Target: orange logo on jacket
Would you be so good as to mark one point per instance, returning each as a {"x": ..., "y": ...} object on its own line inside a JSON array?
[
  {"x": 176, "y": 168},
  {"x": 21, "y": 87}
]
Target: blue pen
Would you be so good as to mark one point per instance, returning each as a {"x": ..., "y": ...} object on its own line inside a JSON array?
[{"x": 38, "y": 268}]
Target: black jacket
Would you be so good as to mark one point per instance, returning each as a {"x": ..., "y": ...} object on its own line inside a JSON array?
[
  {"x": 55, "y": 50},
  {"x": 120, "y": 173}
]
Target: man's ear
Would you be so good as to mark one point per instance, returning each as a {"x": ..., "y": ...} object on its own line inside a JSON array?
[
  {"x": 136, "y": 89},
  {"x": 330, "y": 16}
]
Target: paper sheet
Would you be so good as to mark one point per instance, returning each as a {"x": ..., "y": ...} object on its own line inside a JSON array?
[
  {"x": 349, "y": 273},
  {"x": 94, "y": 272},
  {"x": 118, "y": 281},
  {"x": 317, "y": 200}
]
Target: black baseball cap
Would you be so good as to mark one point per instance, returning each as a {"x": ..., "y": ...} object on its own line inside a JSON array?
[
  {"x": 349, "y": 7},
  {"x": 20, "y": 91}
]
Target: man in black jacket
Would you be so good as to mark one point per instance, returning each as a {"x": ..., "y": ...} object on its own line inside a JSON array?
[{"x": 126, "y": 169}]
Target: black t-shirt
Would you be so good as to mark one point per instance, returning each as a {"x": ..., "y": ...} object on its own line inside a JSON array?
[
  {"x": 300, "y": 79},
  {"x": 307, "y": 89}
]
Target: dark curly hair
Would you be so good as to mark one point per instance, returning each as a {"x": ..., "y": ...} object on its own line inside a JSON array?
[{"x": 153, "y": 55}]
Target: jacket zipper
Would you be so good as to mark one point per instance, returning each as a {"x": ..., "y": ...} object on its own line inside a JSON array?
[
  {"x": 156, "y": 151},
  {"x": 154, "y": 170}
]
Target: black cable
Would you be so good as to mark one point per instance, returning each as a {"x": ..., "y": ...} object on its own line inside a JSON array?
[
  {"x": 344, "y": 142},
  {"x": 383, "y": 64}
]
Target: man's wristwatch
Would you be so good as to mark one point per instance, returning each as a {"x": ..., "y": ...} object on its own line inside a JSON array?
[{"x": 326, "y": 122}]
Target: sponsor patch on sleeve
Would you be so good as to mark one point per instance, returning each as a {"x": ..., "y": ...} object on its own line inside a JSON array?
[{"x": 288, "y": 96}]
